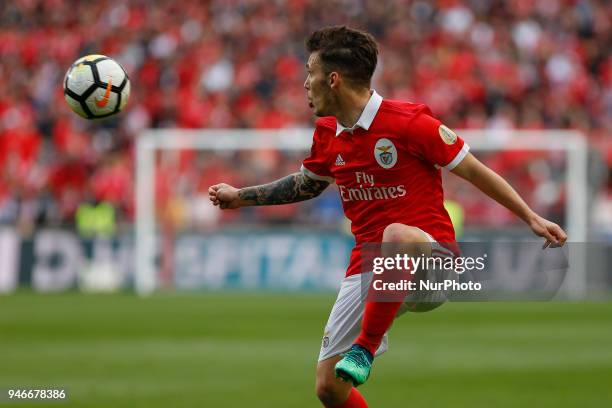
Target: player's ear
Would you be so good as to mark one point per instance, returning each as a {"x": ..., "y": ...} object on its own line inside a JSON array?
[{"x": 334, "y": 79}]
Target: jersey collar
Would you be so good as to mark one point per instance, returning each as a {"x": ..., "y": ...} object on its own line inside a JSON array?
[{"x": 367, "y": 116}]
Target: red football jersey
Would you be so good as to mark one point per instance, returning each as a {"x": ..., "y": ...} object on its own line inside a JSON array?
[{"x": 387, "y": 169}]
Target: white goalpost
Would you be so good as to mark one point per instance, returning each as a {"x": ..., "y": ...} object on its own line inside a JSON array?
[{"x": 572, "y": 143}]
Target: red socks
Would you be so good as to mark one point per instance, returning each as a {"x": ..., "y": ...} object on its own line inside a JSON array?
[
  {"x": 377, "y": 319},
  {"x": 355, "y": 400},
  {"x": 380, "y": 310}
]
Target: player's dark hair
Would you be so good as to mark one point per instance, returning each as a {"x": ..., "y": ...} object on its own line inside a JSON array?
[{"x": 351, "y": 52}]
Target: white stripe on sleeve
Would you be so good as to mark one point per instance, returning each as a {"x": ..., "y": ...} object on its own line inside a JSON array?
[
  {"x": 460, "y": 156},
  {"x": 315, "y": 176}
]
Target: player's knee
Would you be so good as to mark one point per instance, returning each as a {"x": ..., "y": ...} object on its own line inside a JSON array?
[
  {"x": 328, "y": 392},
  {"x": 400, "y": 233}
]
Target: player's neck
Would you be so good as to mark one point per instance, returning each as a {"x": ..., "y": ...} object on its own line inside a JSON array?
[{"x": 350, "y": 106}]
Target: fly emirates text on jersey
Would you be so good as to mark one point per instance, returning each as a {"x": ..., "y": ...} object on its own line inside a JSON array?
[{"x": 368, "y": 191}]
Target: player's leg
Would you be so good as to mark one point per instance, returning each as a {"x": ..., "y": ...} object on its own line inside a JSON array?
[
  {"x": 341, "y": 331},
  {"x": 378, "y": 316},
  {"x": 334, "y": 392}
]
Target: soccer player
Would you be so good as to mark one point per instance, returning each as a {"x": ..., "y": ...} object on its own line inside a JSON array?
[{"x": 385, "y": 157}]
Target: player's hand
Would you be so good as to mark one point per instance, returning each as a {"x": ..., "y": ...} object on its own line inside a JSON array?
[
  {"x": 554, "y": 234},
  {"x": 224, "y": 196}
]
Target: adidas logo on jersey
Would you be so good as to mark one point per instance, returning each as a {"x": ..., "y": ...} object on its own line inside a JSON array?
[{"x": 339, "y": 161}]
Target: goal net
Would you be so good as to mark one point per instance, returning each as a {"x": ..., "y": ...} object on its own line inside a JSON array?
[{"x": 183, "y": 242}]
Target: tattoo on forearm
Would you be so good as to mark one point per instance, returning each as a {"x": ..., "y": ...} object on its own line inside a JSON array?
[{"x": 291, "y": 189}]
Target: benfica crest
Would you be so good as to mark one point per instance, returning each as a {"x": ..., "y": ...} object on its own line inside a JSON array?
[{"x": 385, "y": 153}]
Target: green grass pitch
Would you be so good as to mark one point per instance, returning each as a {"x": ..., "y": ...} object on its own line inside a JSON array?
[{"x": 260, "y": 350}]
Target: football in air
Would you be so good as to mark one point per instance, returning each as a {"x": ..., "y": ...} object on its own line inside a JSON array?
[{"x": 96, "y": 87}]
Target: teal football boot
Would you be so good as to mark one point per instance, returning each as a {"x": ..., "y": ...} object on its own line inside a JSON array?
[{"x": 355, "y": 365}]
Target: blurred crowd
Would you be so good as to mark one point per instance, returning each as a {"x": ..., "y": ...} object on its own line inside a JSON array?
[{"x": 482, "y": 64}]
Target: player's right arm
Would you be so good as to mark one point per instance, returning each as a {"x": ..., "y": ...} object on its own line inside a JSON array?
[
  {"x": 313, "y": 178},
  {"x": 290, "y": 189}
]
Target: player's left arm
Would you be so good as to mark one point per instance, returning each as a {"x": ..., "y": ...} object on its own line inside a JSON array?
[{"x": 493, "y": 185}]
